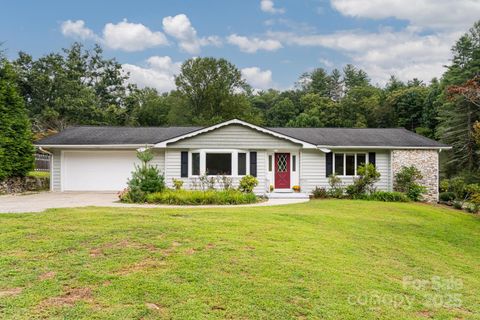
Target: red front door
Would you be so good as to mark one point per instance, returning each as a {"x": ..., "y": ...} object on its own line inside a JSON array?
[{"x": 282, "y": 170}]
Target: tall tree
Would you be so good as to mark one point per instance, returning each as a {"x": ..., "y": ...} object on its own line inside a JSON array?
[
  {"x": 457, "y": 114},
  {"x": 354, "y": 77},
  {"x": 316, "y": 81},
  {"x": 76, "y": 86},
  {"x": 151, "y": 108},
  {"x": 16, "y": 149},
  {"x": 213, "y": 90}
]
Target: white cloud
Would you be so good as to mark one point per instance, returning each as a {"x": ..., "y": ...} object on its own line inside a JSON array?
[
  {"x": 159, "y": 73},
  {"x": 181, "y": 29},
  {"x": 405, "y": 54},
  {"x": 252, "y": 45},
  {"x": 436, "y": 14},
  {"x": 257, "y": 78},
  {"x": 131, "y": 36},
  {"x": 77, "y": 29},
  {"x": 269, "y": 6},
  {"x": 124, "y": 35}
]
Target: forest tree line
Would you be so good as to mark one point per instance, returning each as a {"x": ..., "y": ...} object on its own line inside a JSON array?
[{"x": 81, "y": 87}]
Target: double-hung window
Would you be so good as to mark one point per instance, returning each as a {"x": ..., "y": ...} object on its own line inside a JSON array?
[{"x": 346, "y": 164}]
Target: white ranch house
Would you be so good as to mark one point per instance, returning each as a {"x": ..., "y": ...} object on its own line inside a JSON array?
[{"x": 90, "y": 158}]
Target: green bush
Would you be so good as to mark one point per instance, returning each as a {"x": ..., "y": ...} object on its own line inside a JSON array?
[
  {"x": 447, "y": 196},
  {"x": 177, "y": 183},
  {"x": 458, "y": 204},
  {"x": 145, "y": 179},
  {"x": 387, "y": 196},
  {"x": 319, "y": 193},
  {"x": 364, "y": 183},
  {"x": 198, "y": 197},
  {"x": 406, "y": 182},
  {"x": 247, "y": 184},
  {"x": 336, "y": 189}
]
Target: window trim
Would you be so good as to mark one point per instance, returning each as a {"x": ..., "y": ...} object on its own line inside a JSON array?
[{"x": 344, "y": 175}]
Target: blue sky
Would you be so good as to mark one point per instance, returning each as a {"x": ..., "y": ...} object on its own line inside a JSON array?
[{"x": 271, "y": 41}]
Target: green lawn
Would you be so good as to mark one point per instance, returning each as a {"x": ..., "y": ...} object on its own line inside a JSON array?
[{"x": 323, "y": 259}]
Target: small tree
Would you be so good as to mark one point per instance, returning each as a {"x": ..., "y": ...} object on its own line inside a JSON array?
[
  {"x": 364, "y": 183},
  {"x": 16, "y": 149},
  {"x": 406, "y": 181},
  {"x": 145, "y": 179}
]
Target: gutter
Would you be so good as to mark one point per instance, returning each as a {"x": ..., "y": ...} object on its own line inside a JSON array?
[{"x": 94, "y": 146}]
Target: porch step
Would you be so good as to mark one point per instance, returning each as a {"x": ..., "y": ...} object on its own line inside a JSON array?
[{"x": 287, "y": 195}]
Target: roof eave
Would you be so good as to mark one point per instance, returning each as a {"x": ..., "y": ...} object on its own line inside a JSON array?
[{"x": 386, "y": 147}]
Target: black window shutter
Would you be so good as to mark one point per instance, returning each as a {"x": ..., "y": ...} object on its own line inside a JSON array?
[
  {"x": 253, "y": 163},
  {"x": 371, "y": 158},
  {"x": 329, "y": 164},
  {"x": 184, "y": 164}
]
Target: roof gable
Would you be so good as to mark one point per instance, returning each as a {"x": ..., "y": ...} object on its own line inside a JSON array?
[{"x": 236, "y": 122}]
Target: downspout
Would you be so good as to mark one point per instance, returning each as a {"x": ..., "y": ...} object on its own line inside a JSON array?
[{"x": 51, "y": 166}]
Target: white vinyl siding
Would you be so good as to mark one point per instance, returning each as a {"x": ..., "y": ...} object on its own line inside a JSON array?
[
  {"x": 312, "y": 166},
  {"x": 55, "y": 171},
  {"x": 234, "y": 136},
  {"x": 158, "y": 160},
  {"x": 172, "y": 160}
]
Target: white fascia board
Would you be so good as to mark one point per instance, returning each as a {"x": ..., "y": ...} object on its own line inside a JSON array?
[
  {"x": 383, "y": 147},
  {"x": 93, "y": 146},
  {"x": 304, "y": 144}
]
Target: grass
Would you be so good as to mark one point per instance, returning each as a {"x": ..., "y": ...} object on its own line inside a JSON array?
[
  {"x": 39, "y": 174},
  {"x": 334, "y": 259}
]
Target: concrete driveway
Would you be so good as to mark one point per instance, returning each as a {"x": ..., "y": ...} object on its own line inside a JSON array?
[{"x": 38, "y": 202}]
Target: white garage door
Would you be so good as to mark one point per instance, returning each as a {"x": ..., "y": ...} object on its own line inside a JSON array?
[{"x": 97, "y": 170}]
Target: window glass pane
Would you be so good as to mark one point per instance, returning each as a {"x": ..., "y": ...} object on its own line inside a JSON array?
[
  {"x": 339, "y": 164},
  {"x": 196, "y": 164},
  {"x": 294, "y": 163},
  {"x": 219, "y": 163},
  {"x": 361, "y": 158},
  {"x": 350, "y": 164},
  {"x": 242, "y": 164},
  {"x": 270, "y": 163}
]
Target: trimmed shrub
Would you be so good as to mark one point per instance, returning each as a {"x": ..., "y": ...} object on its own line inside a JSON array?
[
  {"x": 319, "y": 193},
  {"x": 446, "y": 196},
  {"x": 247, "y": 184},
  {"x": 406, "y": 182},
  {"x": 198, "y": 197},
  {"x": 387, "y": 196}
]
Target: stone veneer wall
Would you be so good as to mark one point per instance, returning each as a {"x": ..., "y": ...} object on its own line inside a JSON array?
[
  {"x": 424, "y": 160},
  {"x": 24, "y": 184}
]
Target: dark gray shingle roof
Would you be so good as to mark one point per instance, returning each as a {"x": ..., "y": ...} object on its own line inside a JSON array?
[
  {"x": 95, "y": 135},
  {"x": 391, "y": 137}
]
